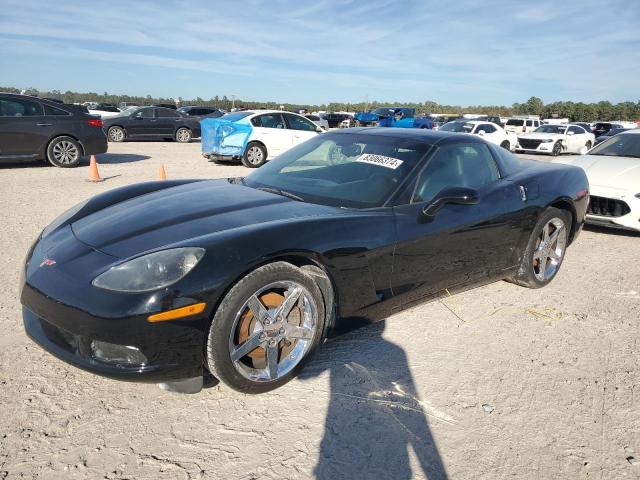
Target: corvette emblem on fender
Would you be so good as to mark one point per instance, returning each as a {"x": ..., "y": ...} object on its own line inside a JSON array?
[{"x": 47, "y": 262}]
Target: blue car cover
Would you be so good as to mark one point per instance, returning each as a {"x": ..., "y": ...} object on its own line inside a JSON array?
[{"x": 222, "y": 137}]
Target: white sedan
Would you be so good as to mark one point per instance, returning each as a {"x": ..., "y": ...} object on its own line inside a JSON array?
[
  {"x": 556, "y": 140},
  {"x": 489, "y": 131},
  {"x": 254, "y": 136},
  {"x": 613, "y": 170}
]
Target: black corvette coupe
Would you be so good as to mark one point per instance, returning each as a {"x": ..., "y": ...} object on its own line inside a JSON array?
[{"x": 244, "y": 277}]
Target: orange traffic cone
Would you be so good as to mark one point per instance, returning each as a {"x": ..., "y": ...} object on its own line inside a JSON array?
[
  {"x": 162, "y": 175},
  {"x": 94, "y": 175}
]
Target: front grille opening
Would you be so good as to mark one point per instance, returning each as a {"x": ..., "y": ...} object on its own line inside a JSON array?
[
  {"x": 529, "y": 143},
  {"x": 607, "y": 207}
]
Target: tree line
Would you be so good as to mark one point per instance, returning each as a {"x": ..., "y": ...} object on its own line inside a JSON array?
[{"x": 574, "y": 111}]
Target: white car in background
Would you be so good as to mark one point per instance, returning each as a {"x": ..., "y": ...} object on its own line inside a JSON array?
[
  {"x": 318, "y": 120},
  {"x": 520, "y": 125},
  {"x": 489, "y": 131},
  {"x": 613, "y": 170},
  {"x": 556, "y": 140},
  {"x": 270, "y": 133}
]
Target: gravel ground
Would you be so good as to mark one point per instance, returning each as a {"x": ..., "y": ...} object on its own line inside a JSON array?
[{"x": 496, "y": 382}]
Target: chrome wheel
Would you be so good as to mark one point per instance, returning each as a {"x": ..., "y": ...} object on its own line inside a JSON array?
[
  {"x": 273, "y": 331},
  {"x": 550, "y": 248},
  {"x": 116, "y": 134},
  {"x": 65, "y": 152},
  {"x": 255, "y": 155},
  {"x": 183, "y": 135}
]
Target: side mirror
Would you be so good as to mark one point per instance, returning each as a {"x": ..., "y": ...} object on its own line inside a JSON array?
[
  {"x": 481, "y": 132},
  {"x": 319, "y": 129},
  {"x": 570, "y": 133},
  {"x": 456, "y": 195}
]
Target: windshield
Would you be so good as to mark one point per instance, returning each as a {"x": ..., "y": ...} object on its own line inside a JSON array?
[
  {"x": 235, "y": 116},
  {"x": 551, "y": 129},
  {"x": 341, "y": 170},
  {"x": 461, "y": 127},
  {"x": 623, "y": 145},
  {"x": 515, "y": 121}
]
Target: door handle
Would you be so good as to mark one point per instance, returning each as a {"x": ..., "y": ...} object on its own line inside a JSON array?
[{"x": 44, "y": 124}]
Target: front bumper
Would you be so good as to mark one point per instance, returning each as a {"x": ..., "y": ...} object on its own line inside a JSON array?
[
  {"x": 628, "y": 221},
  {"x": 542, "y": 148}
]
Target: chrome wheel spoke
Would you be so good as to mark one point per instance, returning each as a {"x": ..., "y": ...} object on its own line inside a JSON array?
[
  {"x": 292, "y": 297},
  {"x": 257, "y": 308},
  {"x": 294, "y": 331},
  {"x": 554, "y": 236},
  {"x": 542, "y": 266},
  {"x": 272, "y": 360},
  {"x": 247, "y": 347},
  {"x": 545, "y": 233},
  {"x": 553, "y": 255}
]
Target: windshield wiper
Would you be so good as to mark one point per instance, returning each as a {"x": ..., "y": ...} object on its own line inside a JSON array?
[{"x": 284, "y": 193}]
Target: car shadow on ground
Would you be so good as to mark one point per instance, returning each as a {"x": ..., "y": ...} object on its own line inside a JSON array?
[
  {"x": 375, "y": 416},
  {"x": 611, "y": 231},
  {"x": 114, "y": 158}
]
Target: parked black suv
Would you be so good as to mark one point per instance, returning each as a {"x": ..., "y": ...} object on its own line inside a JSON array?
[
  {"x": 201, "y": 112},
  {"x": 151, "y": 122},
  {"x": 33, "y": 128}
]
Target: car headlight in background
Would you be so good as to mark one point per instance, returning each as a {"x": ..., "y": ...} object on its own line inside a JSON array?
[
  {"x": 150, "y": 272},
  {"x": 60, "y": 220}
]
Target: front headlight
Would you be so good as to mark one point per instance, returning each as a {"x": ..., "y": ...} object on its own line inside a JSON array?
[
  {"x": 63, "y": 218},
  {"x": 150, "y": 272},
  {"x": 548, "y": 140}
]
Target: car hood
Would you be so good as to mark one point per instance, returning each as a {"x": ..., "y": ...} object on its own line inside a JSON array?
[
  {"x": 608, "y": 171},
  {"x": 541, "y": 136},
  {"x": 185, "y": 212}
]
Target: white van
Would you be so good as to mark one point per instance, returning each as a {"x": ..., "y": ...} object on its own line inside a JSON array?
[{"x": 520, "y": 125}]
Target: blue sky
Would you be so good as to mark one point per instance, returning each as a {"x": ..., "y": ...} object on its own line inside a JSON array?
[{"x": 462, "y": 52}]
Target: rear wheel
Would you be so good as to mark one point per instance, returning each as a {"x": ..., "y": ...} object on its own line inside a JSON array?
[
  {"x": 64, "y": 152},
  {"x": 183, "y": 135},
  {"x": 545, "y": 250},
  {"x": 255, "y": 155},
  {"x": 266, "y": 328},
  {"x": 116, "y": 134}
]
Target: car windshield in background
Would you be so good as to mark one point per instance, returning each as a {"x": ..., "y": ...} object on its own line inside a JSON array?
[
  {"x": 235, "y": 116},
  {"x": 460, "y": 127},
  {"x": 625, "y": 145},
  {"x": 551, "y": 129},
  {"x": 352, "y": 171},
  {"x": 515, "y": 121}
]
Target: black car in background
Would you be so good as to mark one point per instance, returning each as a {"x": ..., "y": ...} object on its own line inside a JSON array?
[
  {"x": 613, "y": 131},
  {"x": 165, "y": 105},
  {"x": 601, "y": 128},
  {"x": 106, "y": 107},
  {"x": 335, "y": 119},
  {"x": 201, "y": 112},
  {"x": 33, "y": 128},
  {"x": 151, "y": 122}
]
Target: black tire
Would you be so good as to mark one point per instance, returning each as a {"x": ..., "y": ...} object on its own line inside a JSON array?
[
  {"x": 526, "y": 274},
  {"x": 64, "y": 152},
  {"x": 116, "y": 134},
  {"x": 218, "y": 354},
  {"x": 506, "y": 145},
  {"x": 255, "y": 155},
  {"x": 557, "y": 149},
  {"x": 183, "y": 135},
  {"x": 588, "y": 145}
]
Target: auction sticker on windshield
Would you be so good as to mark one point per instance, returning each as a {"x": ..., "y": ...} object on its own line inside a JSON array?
[{"x": 381, "y": 160}]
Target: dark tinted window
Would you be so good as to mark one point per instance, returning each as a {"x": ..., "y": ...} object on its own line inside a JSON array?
[
  {"x": 468, "y": 165},
  {"x": 144, "y": 113},
  {"x": 313, "y": 118},
  {"x": 269, "y": 120},
  {"x": 19, "y": 108},
  {"x": 48, "y": 110},
  {"x": 515, "y": 122},
  {"x": 487, "y": 127},
  {"x": 165, "y": 112},
  {"x": 623, "y": 145},
  {"x": 529, "y": 123},
  {"x": 299, "y": 123},
  {"x": 577, "y": 130}
]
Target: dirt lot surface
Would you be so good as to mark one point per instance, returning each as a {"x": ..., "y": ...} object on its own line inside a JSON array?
[{"x": 497, "y": 382}]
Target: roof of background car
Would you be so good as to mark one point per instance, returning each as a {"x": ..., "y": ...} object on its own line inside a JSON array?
[{"x": 428, "y": 136}]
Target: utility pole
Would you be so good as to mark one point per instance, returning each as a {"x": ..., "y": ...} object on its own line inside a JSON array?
[{"x": 233, "y": 101}]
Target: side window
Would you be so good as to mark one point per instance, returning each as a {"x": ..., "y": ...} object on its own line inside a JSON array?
[
  {"x": 299, "y": 123},
  {"x": 468, "y": 165},
  {"x": 19, "y": 108},
  {"x": 145, "y": 113},
  {"x": 48, "y": 110},
  {"x": 269, "y": 120},
  {"x": 576, "y": 130},
  {"x": 488, "y": 128},
  {"x": 166, "y": 113},
  {"x": 529, "y": 123}
]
